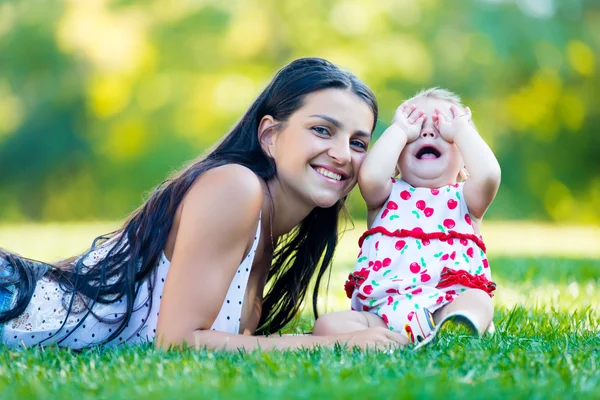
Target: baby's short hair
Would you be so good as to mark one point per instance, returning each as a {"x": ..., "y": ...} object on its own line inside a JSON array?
[{"x": 438, "y": 93}]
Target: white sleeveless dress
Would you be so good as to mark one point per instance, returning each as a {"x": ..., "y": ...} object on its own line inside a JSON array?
[{"x": 45, "y": 314}]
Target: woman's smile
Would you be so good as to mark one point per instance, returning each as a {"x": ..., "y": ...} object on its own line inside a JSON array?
[{"x": 331, "y": 174}]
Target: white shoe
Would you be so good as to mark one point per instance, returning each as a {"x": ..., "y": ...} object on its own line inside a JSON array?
[{"x": 461, "y": 317}]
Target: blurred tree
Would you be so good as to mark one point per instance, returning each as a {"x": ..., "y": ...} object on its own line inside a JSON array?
[{"x": 101, "y": 100}]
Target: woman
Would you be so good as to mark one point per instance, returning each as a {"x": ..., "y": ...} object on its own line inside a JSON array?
[{"x": 263, "y": 206}]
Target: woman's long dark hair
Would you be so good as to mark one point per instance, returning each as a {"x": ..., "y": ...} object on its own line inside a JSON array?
[{"x": 136, "y": 247}]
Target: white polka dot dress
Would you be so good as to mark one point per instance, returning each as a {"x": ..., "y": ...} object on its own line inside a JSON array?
[{"x": 40, "y": 323}]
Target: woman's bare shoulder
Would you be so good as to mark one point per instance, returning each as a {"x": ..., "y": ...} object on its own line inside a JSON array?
[{"x": 226, "y": 188}]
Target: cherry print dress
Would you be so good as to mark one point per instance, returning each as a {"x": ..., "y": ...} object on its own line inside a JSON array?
[
  {"x": 420, "y": 253},
  {"x": 45, "y": 320}
]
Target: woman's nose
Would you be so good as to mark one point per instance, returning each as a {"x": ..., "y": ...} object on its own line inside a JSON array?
[{"x": 340, "y": 151}]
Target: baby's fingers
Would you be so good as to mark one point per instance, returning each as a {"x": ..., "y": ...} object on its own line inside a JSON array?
[
  {"x": 455, "y": 112},
  {"x": 408, "y": 109},
  {"x": 468, "y": 113},
  {"x": 416, "y": 116},
  {"x": 438, "y": 120},
  {"x": 400, "y": 113},
  {"x": 419, "y": 122}
]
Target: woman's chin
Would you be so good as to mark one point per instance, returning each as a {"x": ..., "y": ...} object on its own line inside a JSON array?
[
  {"x": 327, "y": 204},
  {"x": 326, "y": 201}
]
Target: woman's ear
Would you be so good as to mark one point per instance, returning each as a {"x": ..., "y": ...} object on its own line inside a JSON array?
[{"x": 267, "y": 130}]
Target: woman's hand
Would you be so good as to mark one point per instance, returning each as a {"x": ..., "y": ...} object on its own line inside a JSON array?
[
  {"x": 410, "y": 120},
  {"x": 379, "y": 338},
  {"x": 371, "y": 338}
]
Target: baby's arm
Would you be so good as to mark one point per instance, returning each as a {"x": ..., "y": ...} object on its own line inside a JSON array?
[
  {"x": 480, "y": 162},
  {"x": 342, "y": 322},
  {"x": 381, "y": 162}
]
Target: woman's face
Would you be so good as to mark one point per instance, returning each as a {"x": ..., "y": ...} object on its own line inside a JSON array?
[{"x": 322, "y": 145}]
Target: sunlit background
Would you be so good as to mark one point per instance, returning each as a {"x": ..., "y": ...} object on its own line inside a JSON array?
[{"x": 101, "y": 100}]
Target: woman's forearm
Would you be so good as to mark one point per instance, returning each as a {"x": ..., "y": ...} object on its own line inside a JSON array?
[
  {"x": 229, "y": 341},
  {"x": 373, "y": 337}
]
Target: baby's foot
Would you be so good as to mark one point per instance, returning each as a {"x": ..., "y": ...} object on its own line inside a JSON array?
[{"x": 463, "y": 318}]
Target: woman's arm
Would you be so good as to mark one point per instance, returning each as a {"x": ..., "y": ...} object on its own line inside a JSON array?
[
  {"x": 366, "y": 338},
  {"x": 217, "y": 225}
]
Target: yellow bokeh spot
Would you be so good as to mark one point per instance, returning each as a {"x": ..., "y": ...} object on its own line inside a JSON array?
[
  {"x": 402, "y": 56},
  {"x": 125, "y": 140},
  {"x": 358, "y": 12},
  {"x": 172, "y": 11},
  {"x": 348, "y": 58},
  {"x": 581, "y": 58},
  {"x": 108, "y": 95},
  {"x": 572, "y": 110},
  {"x": 194, "y": 118},
  {"x": 155, "y": 91},
  {"x": 559, "y": 202},
  {"x": 249, "y": 34},
  {"x": 8, "y": 16},
  {"x": 405, "y": 12},
  {"x": 234, "y": 93},
  {"x": 533, "y": 106},
  {"x": 11, "y": 111},
  {"x": 111, "y": 41}
]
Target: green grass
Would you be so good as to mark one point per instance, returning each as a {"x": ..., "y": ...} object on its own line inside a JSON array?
[{"x": 547, "y": 345}]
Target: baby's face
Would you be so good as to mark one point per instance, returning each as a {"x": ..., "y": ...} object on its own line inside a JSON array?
[{"x": 430, "y": 161}]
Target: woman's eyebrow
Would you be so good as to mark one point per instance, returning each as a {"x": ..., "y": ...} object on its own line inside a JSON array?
[{"x": 339, "y": 125}]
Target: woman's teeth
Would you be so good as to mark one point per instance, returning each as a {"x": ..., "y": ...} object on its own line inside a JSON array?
[{"x": 329, "y": 174}]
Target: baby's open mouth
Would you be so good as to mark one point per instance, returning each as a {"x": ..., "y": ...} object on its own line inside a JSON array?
[{"x": 428, "y": 153}]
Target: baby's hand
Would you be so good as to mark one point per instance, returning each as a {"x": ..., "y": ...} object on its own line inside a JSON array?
[
  {"x": 409, "y": 120},
  {"x": 448, "y": 128}
]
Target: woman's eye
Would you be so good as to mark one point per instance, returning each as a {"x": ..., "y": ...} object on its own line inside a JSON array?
[
  {"x": 321, "y": 130},
  {"x": 358, "y": 144}
]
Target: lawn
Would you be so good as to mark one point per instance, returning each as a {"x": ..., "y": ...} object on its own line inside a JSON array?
[{"x": 547, "y": 343}]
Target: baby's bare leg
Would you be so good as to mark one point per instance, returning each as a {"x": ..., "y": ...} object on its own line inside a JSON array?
[
  {"x": 345, "y": 322},
  {"x": 473, "y": 301}
]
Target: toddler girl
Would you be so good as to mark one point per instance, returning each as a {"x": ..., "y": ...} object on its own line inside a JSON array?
[{"x": 422, "y": 260}]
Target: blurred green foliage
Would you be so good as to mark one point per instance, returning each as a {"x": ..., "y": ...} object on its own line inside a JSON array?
[{"x": 101, "y": 100}]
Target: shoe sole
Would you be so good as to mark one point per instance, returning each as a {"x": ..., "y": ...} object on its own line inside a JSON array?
[{"x": 459, "y": 317}]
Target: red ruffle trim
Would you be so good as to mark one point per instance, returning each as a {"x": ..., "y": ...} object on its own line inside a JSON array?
[
  {"x": 419, "y": 234},
  {"x": 450, "y": 277},
  {"x": 355, "y": 279}
]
